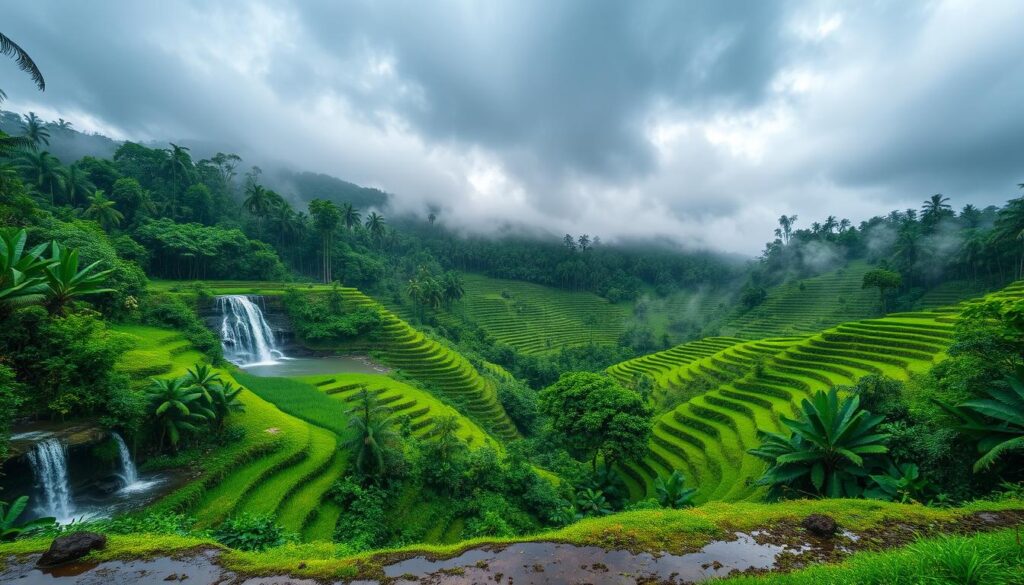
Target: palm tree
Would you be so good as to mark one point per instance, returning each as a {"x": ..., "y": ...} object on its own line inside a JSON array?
[
  {"x": 177, "y": 408},
  {"x": 77, "y": 185},
  {"x": 65, "y": 282},
  {"x": 935, "y": 206},
  {"x": 830, "y": 225},
  {"x": 844, "y": 224},
  {"x": 584, "y": 242},
  {"x": 178, "y": 162},
  {"x": 452, "y": 288},
  {"x": 103, "y": 210},
  {"x": 225, "y": 400},
  {"x": 373, "y": 430},
  {"x": 446, "y": 437},
  {"x": 34, "y": 130},
  {"x": 996, "y": 421},
  {"x": 21, "y": 271},
  {"x": 63, "y": 125},
  {"x": 25, "y": 63},
  {"x": 43, "y": 171},
  {"x": 830, "y": 451},
  {"x": 258, "y": 203},
  {"x": 375, "y": 225},
  {"x": 203, "y": 379},
  {"x": 350, "y": 216},
  {"x": 325, "y": 217}
]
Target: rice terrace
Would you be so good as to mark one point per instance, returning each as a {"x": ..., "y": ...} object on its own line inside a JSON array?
[{"x": 460, "y": 292}]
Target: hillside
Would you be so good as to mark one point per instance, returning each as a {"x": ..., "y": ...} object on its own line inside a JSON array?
[
  {"x": 708, "y": 436},
  {"x": 537, "y": 319}
]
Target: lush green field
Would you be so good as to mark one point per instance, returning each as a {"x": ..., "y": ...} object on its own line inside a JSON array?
[
  {"x": 234, "y": 287},
  {"x": 537, "y": 319},
  {"x": 708, "y": 436}
]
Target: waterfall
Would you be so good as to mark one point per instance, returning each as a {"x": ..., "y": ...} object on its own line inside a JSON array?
[
  {"x": 49, "y": 460},
  {"x": 129, "y": 474},
  {"x": 244, "y": 333}
]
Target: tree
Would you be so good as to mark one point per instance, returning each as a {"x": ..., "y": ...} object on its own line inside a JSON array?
[
  {"x": 34, "y": 130},
  {"x": 178, "y": 163},
  {"x": 21, "y": 271},
  {"x": 786, "y": 223},
  {"x": 832, "y": 449},
  {"x": 584, "y": 242},
  {"x": 63, "y": 125},
  {"x": 569, "y": 242},
  {"x": 884, "y": 280},
  {"x": 224, "y": 399},
  {"x": 44, "y": 172},
  {"x": 11, "y": 49},
  {"x": 325, "y": 217},
  {"x": 203, "y": 379},
  {"x": 177, "y": 409},
  {"x": 258, "y": 203},
  {"x": 596, "y": 416},
  {"x": 996, "y": 421},
  {"x": 452, "y": 288},
  {"x": 674, "y": 493},
  {"x": 431, "y": 217},
  {"x": 77, "y": 185},
  {"x": 935, "y": 207},
  {"x": 375, "y": 225},
  {"x": 350, "y": 216},
  {"x": 103, "y": 210},
  {"x": 65, "y": 282},
  {"x": 372, "y": 432}
]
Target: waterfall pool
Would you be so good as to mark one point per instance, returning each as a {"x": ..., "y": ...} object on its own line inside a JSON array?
[{"x": 312, "y": 366}]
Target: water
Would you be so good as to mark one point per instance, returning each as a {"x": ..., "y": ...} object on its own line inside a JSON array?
[
  {"x": 49, "y": 460},
  {"x": 244, "y": 333},
  {"x": 316, "y": 366}
]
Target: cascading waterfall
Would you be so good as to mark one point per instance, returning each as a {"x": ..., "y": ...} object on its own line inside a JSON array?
[
  {"x": 129, "y": 474},
  {"x": 244, "y": 333},
  {"x": 49, "y": 460}
]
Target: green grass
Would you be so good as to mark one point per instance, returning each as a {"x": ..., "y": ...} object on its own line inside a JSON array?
[
  {"x": 433, "y": 364},
  {"x": 537, "y": 319},
  {"x": 753, "y": 384},
  {"x": 235, "y": 287},
  {"x": 157, "y": 352}
]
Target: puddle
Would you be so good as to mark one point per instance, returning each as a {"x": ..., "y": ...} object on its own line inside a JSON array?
[
  {"x": 547, "y": 562},
  {"x": 195, "y": 569}
]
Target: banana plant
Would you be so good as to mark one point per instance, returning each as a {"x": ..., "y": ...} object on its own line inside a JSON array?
[
  {"x": 10, "y": 528},
  {"x": 996, "y": 421},
  {"x": 674, "y": 493},
  {"x": 21, "y": 271},
  {"x": 831, "y": 449},
  {"x": 65, "y": 282}
]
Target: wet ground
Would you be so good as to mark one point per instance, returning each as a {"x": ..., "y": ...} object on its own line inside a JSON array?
[{"x": 781, "y": 546}]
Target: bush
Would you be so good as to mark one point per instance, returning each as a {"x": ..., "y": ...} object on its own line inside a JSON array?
[
  {"x": 325, "y": 319},
  {"x": 168, "y": 310},
  {"x": 251, "y": 532}
]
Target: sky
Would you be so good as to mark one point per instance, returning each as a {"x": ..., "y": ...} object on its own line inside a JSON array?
[{"x": 698, "y": 123}]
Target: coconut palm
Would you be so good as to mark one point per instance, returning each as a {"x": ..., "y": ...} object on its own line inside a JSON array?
[
  {"x": 833, "y": 447},
  {"x": 996, "y": 421},
  {"x": 11, "y": 49},
  {"x": 43, "y": 171},
  {"x": 63, "y": 125},
  {"x": 177, "y": 409},
  {"x": 178, "y": 163},
  {"x": 786, "y": 223},
  {"x": 373, "y": 430},
  {"x": 830, "y": 225},
  {"x": 350, "y": 216},
  {"x": 375, "y": 225},
  {"x": 35, "y": 131},
  {"x": 103, "y": 210},
  {"x": 77, "y": 186},
  {"x": 21, "y": 271},
  {"x": 935, "y": 206},
  {"x": 258, "y": 202},
  {"x": 65, "y": 282}
]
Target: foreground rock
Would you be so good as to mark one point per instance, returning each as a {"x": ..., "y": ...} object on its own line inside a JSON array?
[
  {"x": 820, "y": 525},
  {"x": 70, "y": 547}
]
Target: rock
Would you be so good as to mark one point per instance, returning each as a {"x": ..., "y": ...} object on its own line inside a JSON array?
[
  {"x": 171, "y": 577},
  {"x": 820, "y": 525},
  {"x": 70, "y": 547}
]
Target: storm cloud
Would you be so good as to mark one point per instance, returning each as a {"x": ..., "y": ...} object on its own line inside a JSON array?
[{"x": 700, "y": 122}]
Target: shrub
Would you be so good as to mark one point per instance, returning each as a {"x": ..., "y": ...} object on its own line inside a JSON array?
[
  {"x": 251, "y": 532},
  {"x": 169, "y": 310}
]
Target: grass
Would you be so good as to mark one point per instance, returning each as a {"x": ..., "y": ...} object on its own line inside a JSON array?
[
  {"x": 156, "y": 352},
  {"x": 671, "y": 531},
  {"x": 235, "y": 287},
  {"x": 745, "y": 388},
  {"x": 537, "y": 319},
  {"x": 436, "y": 366}
]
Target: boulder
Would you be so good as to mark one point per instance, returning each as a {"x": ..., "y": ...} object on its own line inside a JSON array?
[
  {"x": 820, "y": 525},
  {"x": 72, "y": 546}
]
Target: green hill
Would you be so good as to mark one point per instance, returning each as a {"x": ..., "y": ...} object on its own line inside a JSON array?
[
  {"x": 537, "y": 319},
  {"x": 708, "y": 436}
]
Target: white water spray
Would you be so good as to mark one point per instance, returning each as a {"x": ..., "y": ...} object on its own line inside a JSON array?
[
  {"x": 129, "y": 474},
  {"x": 49, "y": 461},
  {"x": 244, "y": 333}
]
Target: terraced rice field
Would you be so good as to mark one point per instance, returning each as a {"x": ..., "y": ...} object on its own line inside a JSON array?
[
  {"x": 537, "y": 319},
  {"x": 950, "y": 293},
  {"x": 157, "y": 352},
  {"x": 235, "y": 287},
  {"x": 431, "y": 363},
  {"x": 809, "y": 305},
  {"x": 707, "y": 437}
]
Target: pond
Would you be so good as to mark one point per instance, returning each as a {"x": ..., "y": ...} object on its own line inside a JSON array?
[{"x": 312, "y": 366}]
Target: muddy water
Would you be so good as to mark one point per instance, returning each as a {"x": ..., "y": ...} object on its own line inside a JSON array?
[
  {"x": 546, "y": 562},
  {"x": 521, "y": 563}
]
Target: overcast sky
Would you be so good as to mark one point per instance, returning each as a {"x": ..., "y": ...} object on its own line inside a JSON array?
[{"x": 697, "y": 121}]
